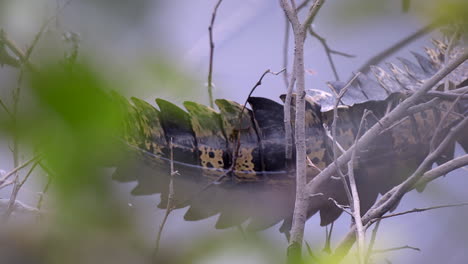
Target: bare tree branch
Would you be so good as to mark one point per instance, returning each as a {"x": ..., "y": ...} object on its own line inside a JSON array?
[
  {"x": 392, "y": 197},
  {"x": 301, "y": 202},
  {"x": 356, "y": 203},
  {"x": 5, "y": 108},
  {"x": 15, "y": 170},
  {"x": 170, "y": 201},
  {"x": 443, "y": 169},
  {"x": 342, "y": 207},
  {"x": 443, "y": 121},
  {"x": 419, "y": 210},
  {"x": 25, "y": 56},
  {"x": 16, "y": 50},
  {"x": 285, "y": 54},
  {"x": 28, "y": 174},
  {"x": 413, "y": 110},
  {"x": 302, "y": 5},
  {"x": 18, "y": 207},
  {"x": 50, "y": 176},
  {"x": 212, "y": 46},
  {"x": 340, "y": 95},
  {"x": 327, "y": 246},
  {"x": 25, "y": 61},
  {"x": 329, "y": 52},
  {"x": 379, "y": 251},
  {"x": 372, "y": 241},
  {"x": 313, "y": 11},
  {"x": 385, "y": 122},
  {"x": 287, "y": 115},
  {"x": 311, "y": 253}
]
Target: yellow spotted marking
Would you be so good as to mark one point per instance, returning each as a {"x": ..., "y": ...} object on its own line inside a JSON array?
[
  {"x": 245, "y": 164},
  {"x": 211, "y": 157}
]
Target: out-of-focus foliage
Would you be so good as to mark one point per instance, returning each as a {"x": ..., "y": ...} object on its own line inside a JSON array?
[
  {"x": 428, "y": 10},
  {"x": 74, "y": 124},
  {"x": 69, "y": 119},
  {"x": 451, "y": 10}
]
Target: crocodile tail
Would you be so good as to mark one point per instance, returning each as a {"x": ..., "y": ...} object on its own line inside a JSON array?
[
  {"x": 203, "y": 142},
  {"x": 232, "y": 161}
]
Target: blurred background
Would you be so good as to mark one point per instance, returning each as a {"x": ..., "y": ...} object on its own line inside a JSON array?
[{"x": 160, "y": 49}]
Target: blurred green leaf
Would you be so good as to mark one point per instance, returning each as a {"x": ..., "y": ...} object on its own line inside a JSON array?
[
  {"x": 74, "y": 123},
  {"x": 445, "y": 10},
  {"x": 405, "y": 5}
]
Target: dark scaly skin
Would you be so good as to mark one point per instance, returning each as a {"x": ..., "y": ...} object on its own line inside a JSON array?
[{"x": 261, "y": 185}]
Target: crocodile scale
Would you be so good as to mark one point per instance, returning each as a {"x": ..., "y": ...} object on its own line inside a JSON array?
[{"x": 261, "y": 185}]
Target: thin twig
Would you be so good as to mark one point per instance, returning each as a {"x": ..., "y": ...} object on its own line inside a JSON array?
[
  {"x": 338, "y": 145},
  {"x": 329, "y": 52},
  {"x": 244, "y": 106},
  {"x": 15, "y": 170},
  {"x": 25, "y": 60},
  {"x": 5, "y": 184},
  {"x": 419, "y": 210},
  {"x": 18, "y": 207},
  {"x": 212, "y": 46},
  {"x": 287, "y": 116},
  {"x": 311, "y": 253},
  {"x": 356, "y": 205},
  {"x": 16, "y": 50},
  {"x": 5, "y": 108},
  {"x": 442, "y": 121},
  {"x": 423, "y": 106},
  {"x": 450, "y": 45},
  {"x": 285, "y": 53},
  {"x": 312, "y": 165},
  {"x": 28, "y": 174},
  {"x": 170, "y": 199},
  {"x": 313, "y": 11},
  {"x": 379, "y": 251},
  {"x": 460, "y": 90},
  {"x": 372, "y": 241},
  {"x": 413, "y": 110},
  {"x": 447, "y": 95},
  {"x": 241, "y": 230},
  {"x": 16, "y": 188},
  {"x": 327, "y": 246},
  {"x": 342, "y": 207},
  {"x": 394, "y": 195},
  {"x": 50, "y": 176},
  {"x": 302, "y": 5},
  {"x": 340, "y": 95},
  {"x": 40, "y": 201},
  {"x": 25, "y": 56},
  {"x": 443, "y": 169}
]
